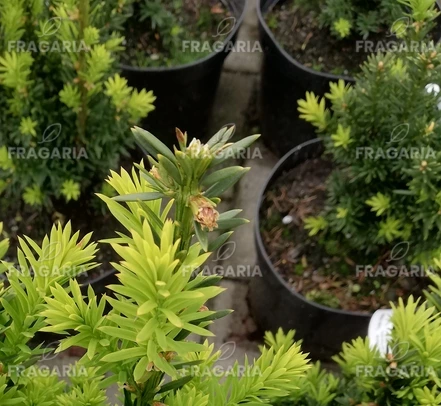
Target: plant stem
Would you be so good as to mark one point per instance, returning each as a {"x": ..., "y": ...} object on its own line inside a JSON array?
[
  {"x": 184, "y": 218},
  {"x": 187, "y": 226}
]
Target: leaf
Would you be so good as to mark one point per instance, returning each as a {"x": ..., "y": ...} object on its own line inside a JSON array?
[
  {"x": 154, "y": 219},
  {"x": 182, "y": 347},
  {"x": 147, "y": 331},
  {"x": 231, "y": 223},
  {"x": 171, "y": 168},
  {"x": 225, "y": 183},
  {"x": 219, "y": 241},
  {"x": 151, "y": 143},
  {"x": 221, "y": 137},
  {"x": 233, "y": 150},
  {"x": 134, "y": 197},
  {"x": 342, "y": 138},
  {"x": 230, "y": 214},
  {"x": 313, "y": 110},
  {"x": 172, "y": 318},
  {"x": 198, "y": 330},
  {"x": 182, "y": 335},
  {"x": 185, "y": 163},
  {"x": 91, "y": 349},
  {"x": 124, "y": 354},
  {"x": 140, "y": 368},
  {"x": 220, "y": 175},
  {"x": 216, "y": 315},
  {"x": 24, "y": 348},
  {"x": 338, "y": 91},
  {"x": 206, "y": 282},
  {"x": 380, "y": 203},
  {"x": 315, "y": 224},
  {"x": 146, "y": 307},
  {"x": 390, "y": 229},
  {"x": 121, "y": 333},
  {"x": 175, "y": 385},
  {"x": 182, "y": 365},
  {"x": 201, "y": 235}
]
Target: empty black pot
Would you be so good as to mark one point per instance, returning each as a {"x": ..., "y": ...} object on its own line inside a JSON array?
[
  {"x": 185, "y": 94},
  {"x": 275, "y": 304},
  {"x": 284, "y": 81}
]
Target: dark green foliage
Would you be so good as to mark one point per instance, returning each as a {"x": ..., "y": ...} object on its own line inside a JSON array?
[
  {"x": 384, "y": 136},
  {"x": 346, "y": 18},
  {"x": 175, "y": 32}
]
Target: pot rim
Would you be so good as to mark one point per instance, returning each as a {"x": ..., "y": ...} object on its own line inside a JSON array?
[
  {"x": 288, "y": 57},
  {"x": 103, "y": 276},
  {"x": 207, "y": 58},
  {"x": 261, "y": 247}
]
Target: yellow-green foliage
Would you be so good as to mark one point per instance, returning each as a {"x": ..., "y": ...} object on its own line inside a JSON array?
[
  {"x": 142, "y": 342},
  {"x": 66, "y": 110}
]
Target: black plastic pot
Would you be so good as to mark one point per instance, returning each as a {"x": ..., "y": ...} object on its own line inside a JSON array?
[
  {"x": 100, "y": 283},
  {"x": 275, "y": 304},
  {"x": 185, "y": 94},
  {"x": 284, "y": 81}
]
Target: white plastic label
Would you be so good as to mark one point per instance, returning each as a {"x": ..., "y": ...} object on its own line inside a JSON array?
[{"x": 379, "y": 330}]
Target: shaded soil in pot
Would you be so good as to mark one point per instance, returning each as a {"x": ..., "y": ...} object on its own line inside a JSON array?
[
  {"x": 313, "y": 267},
  {"x": 175, "y": 33},
  {"x": 301, "y": 35}
]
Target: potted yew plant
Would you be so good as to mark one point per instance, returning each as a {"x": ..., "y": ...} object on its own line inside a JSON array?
[
  {"x": 344, "y": 232},
  {"x": 401, "y": 370},
  {"x": 65, "y": 113},
  {"x": 65, "y": 108},
  {"x": 308, "y": 44},
  {"x": 177, "y": 49},
  {"x": 142, "y": 343}
]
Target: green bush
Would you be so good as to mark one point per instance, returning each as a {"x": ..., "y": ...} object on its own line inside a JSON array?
[
  {"x": 407, "y": 374},
  {"x": 317, "y": 388},
  {"x": 141, "y": 343},
  {"x": 65, "y": 111},
  {"x": 383, "y": 135}
]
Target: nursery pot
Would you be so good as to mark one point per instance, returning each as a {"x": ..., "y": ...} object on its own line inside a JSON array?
[
  {"x": 275, "y": 304},
  {"x": 185, "y": 94},
  {"x": 284, "y": 81},
  {"x": 100, "y": 282}
]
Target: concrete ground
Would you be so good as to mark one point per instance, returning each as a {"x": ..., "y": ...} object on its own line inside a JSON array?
[{"x": 236, "y": 102}]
